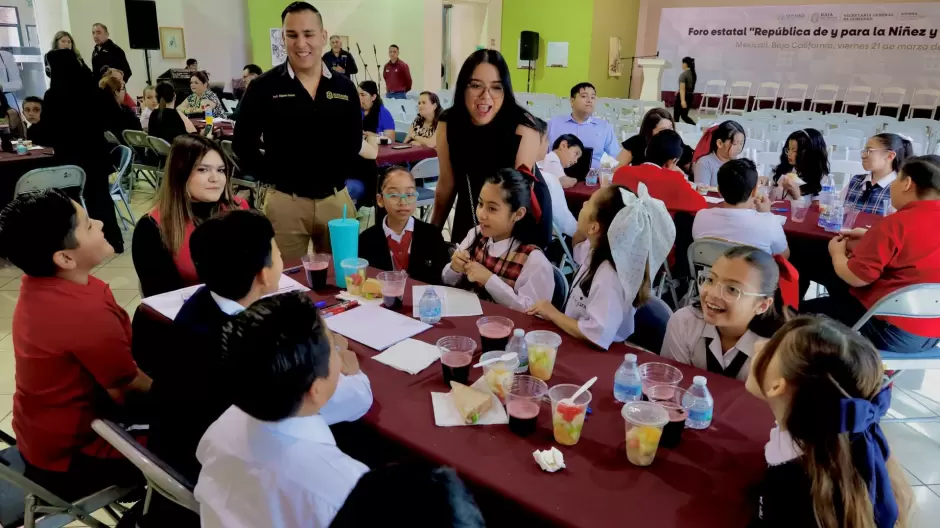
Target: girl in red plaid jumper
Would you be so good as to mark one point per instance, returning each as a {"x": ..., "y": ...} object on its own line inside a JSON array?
[{"x": 497, "y": 259}]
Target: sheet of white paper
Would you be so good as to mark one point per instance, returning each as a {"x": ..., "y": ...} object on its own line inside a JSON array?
[
  {"x": 782, "y": 219},
  {"x": 454, "y": 301},
  {"x": 375, "y": 327},
  {"x": 446, "y": 415},
  {"x": 410, "y": 355},
  {"x": 169, "y": 303},
  {"x": 714, "y": 199},
  {"x": 557, "y": 55}
]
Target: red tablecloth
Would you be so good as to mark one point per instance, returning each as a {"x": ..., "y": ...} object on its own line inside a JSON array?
[
  {"x": 221, "y": 129},
  {"x": 580, "y": 193},
  {"x": 704, "y": 482},
  {"x": 13, "y": 166},
  {"x": 413, "y": 154}
]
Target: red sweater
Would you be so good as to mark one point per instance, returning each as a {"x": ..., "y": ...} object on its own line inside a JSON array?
[
  {"x": 663, "y": 184},
  {"x": 397, "y": 77}
]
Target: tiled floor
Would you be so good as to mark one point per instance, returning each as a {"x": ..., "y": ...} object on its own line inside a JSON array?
[{"x": 916, "y": 446}]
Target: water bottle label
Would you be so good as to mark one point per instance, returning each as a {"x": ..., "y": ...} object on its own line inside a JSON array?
[
  {"x": 628, "y": 390},
  {"x": 704, "y": 415}
]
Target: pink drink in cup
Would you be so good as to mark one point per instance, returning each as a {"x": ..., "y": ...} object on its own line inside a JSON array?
[
  {"x": 456, "y": 356},
  {"x": 393, "y": 288},
  {"x": 671, "y": 398},
  {"x": 316, "y": 267},
  {"x": 658, "y": 374},
  {"x": 523, "y": 404},
  {"x": 494, "y": 332},
  {"x": 799, "y": 209}
]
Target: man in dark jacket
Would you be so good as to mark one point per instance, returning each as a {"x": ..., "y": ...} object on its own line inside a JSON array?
[{"x": 107, "y": 53}]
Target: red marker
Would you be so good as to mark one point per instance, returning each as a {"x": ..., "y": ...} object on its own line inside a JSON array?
[{"x": 339, "y": 308}]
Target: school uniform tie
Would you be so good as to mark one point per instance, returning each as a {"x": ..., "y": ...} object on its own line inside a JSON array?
[
  {"x": 714, "y": 365},
  {"x": 400, "y": 251}
]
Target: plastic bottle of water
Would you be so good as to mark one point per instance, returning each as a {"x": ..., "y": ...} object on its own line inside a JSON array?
[
  {"x": 517, "y": 345},
  {"x": 700, "y": 404},
  {"x": 627, "y": 384},
  {"x": 825, "y": 200},
  {"x": 836, "y": 216},
  {"x": 429, "y": 308}
]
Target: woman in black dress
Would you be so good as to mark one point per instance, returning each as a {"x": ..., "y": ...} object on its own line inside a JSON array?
[
  {"x": 72, "y": 116},
  {"x": 484, "y": 131}
]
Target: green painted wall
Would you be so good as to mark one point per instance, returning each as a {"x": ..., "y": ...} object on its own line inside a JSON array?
[
  {"x": 613, "y": 18},
  {"x": 555, "y": 21},
  {"x": 262, "y": 16}
]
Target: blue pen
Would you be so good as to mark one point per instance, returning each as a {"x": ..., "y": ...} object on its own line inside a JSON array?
[
  {"x": 321, "y": 305},
  {"x": 779, "y": 210}
]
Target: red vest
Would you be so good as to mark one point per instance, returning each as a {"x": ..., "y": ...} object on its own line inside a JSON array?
[{"x": 183, "y": 258}]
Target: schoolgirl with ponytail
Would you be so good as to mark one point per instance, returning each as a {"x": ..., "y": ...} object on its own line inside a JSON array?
[
  {"x": 882, "y": 157},
  {"x": 499, "y": 258},
  {"x": 740, "y": 304}
]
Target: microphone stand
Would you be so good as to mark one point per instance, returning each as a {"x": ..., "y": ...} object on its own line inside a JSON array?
[
  {"x": 630, "y": 80},
  {"x": 378, "y": 68},
  {"x": 365, "y": 67}
]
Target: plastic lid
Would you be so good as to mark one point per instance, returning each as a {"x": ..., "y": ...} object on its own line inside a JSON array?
[
  {"x": 518, "y": 332},
  {"x": 630, "y": 357},
  {"x": 645, "y": 413},
  {"x": 699, "y": 380}
]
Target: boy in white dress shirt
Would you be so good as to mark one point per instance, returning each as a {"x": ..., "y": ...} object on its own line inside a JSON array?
[
  {"x": 566, "y": 151},
  {"x": 270, "y": 460}
]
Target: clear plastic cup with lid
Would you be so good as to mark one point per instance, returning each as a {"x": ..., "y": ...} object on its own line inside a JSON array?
[{"x": 644, "y": 428}]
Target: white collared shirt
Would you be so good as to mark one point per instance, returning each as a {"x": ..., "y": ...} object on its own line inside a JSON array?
[
  {"x": 272, "y": 474},
  {"x": 552, "y": 171},
  {"x": 685, "y": 342},
  {"x": 604, "y": 316},
  {"x": 748, "y": 227},
  {"x": 781, "y": 448},
  {"x": 410, "y": 226},
  {"x": 353, "y": 396},
  {"x": 536, "y": 280}
]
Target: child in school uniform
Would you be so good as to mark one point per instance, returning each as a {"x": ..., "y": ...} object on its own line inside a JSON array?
[
  {"x": 626, "y": 239},
  {"x": 828, "y": 461},
  {"x": 882, "y": 157},
  {"x": 740, "y": 304},
  {"x": 401, "y": 241},
  {"x": 499, "y": 259}
]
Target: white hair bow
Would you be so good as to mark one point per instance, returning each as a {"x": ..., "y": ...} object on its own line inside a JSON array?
[{"x": 641, "y": 234}]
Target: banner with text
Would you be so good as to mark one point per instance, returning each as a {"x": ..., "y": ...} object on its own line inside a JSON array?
[{"x": 847, "y": 45}]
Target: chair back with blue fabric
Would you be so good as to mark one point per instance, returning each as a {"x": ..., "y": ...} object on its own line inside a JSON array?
[
  {"x": 62, "y": 177},
  {"x": 560, "y": 295},
  {"x": 650, "y": 322},
  {"x": 160, "y": 476}
]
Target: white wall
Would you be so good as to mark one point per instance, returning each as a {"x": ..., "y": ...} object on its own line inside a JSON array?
[
  {"x": 215, "y": 32},
  {"x": 467, "y": 21}
]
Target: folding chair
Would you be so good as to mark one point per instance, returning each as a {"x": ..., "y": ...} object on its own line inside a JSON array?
[
  {"x": 714, "y": 89},
  {"x": 794, "y": 94},
  {"x": 857, "y": 96},
  {"x": 739, "y": 91},
  {"x": 111, "y": 138},
  {"x": 160, "y": 476},
  {"x": 702, "y": 254},
  {"x": 560, "y": 294},
  {"x": 847, "y": 167},
  {"x": 160, "y": 147},
  {"x": 62, "y": 177},
  {"x": 766, "y": 93},
  {"x": 566, "y": 261},
  {"x": 766, "y": 161},
  {"x": 245, "y": 181},
  {"x": 924, "y": 99},
  {"x": 123, "y": 155},
  {"x": 25, "y": 503},
  {"x": 425, "y": 172},
  {"x": 891, "y": 97},
  {"x": 143, "y": 154},
  {"x": 920, "y": 301},
  {"x": 650, "y": 325},
  {"x": 824, "y": 94}
]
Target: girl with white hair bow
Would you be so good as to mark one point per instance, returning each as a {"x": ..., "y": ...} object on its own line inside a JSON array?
[{"x": 627, "y": 238}]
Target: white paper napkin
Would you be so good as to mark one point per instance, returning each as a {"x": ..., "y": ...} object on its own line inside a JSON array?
[
  {"x": 608, "y": 161},
  {"x": 446, "y": 414},
  {"x": 782, "y": 219},
  {"x": 411, "y": 356},
  {"x": 714, "y": 199}
]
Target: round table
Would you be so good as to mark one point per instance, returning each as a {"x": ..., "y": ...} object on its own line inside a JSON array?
[{"x": 394, "y": 154}]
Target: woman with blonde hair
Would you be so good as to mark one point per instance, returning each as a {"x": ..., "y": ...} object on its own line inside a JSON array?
[
  {"x": 196, "y": 186},
  {"x": 63, "y": 40},
  {"x": 117, "y": 116}
]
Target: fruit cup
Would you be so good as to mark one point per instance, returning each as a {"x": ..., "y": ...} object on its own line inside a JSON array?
[
  {"x": 658, "y": 374},
  {"x": 567, "y": 418},
  {"x": 354, "y": 270},
  {"x": 543, "y": 349},
  {"x": 499, "y": 375},
  {"x": 644, "y": 422}
]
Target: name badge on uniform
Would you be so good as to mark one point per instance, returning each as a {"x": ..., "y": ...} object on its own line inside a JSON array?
[
  {"x": 342, "y": 97},
  {"x": 283, "y": 96}
]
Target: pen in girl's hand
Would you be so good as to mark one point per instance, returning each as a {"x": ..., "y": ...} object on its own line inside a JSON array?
[{"x": 294, "y": 269}]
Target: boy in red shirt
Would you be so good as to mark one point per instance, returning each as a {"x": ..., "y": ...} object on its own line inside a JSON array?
[
  {"x": 72, "y": 344},
  {"x": 901, "y": 250},
  {"x": 661, "y": 173}
]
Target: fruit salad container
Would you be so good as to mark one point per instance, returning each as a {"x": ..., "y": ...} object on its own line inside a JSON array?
[
  {"x": 543, "y": 349},
  {"x": 499, "y": 375},
  {"x": 568, "y": 418},
  {"x": 644, "y": 423},
  {"x": 354, "y": 270}
]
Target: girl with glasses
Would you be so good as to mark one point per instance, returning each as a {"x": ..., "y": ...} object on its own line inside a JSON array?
[
  {"x": 882, "y": 157},
  {"x": 400, "y": 241},
  {"x": 805, "y": 155},
  {"x": 740, "y": 304}
]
